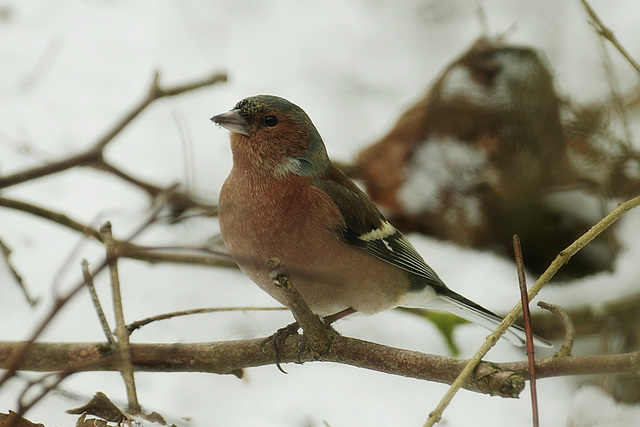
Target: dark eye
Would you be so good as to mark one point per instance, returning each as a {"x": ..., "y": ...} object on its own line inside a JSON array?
[{"x": 271, "y": 121}]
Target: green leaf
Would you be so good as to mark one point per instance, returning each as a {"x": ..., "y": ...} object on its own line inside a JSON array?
[{"x": 445, "y": 322}]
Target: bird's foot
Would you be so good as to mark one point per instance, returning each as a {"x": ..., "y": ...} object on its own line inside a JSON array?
[{"x": 276, "y": 341}]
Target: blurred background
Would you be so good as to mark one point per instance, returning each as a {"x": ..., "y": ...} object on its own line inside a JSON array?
[{"x": 465, "y": 121}]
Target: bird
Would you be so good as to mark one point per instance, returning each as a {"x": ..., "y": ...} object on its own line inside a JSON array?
[{"x": 285, "y": 199}]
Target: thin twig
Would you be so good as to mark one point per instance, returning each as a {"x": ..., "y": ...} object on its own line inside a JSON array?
[
  {"x": 6, "y": 252},
  {"x": 25, "y": 406},
  {"x": 126, "y": 249},
  {"x": 179, "y": 200},
  {"x": 150, "y": 254},
  {"x": 88, "y": 280},
  {"x": 94, "y": 155},
  {"x": 522, "y": 281},
  {"x": 50, "y": 215},
  {"x": 17, "y": 356},
  {"x": 616, "y": 100},
  {"x": 608, "y": 34},
  {"x": 124, "y": 346},
  {"x": 557, "y": 263},
  {"x": 187, "y": 143},
  {"x": 567, "y": 323},
  {"x": 131, "y": 327}
]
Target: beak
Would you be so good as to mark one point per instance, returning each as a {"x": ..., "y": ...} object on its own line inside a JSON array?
[{"x": 233, "y": 122}]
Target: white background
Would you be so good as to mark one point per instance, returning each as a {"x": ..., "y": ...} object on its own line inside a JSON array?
[{"x": 69, "y": 69}]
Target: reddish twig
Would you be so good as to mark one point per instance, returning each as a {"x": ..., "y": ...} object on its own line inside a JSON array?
[{"x": 522, "y": 282}]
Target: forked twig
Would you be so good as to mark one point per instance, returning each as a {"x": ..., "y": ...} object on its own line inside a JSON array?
[
  {"x": 124, "y": 346},
  {"x": 88, "y": 280},
  {"x": 127, "y": 249},
  {"x": 94, "y": 155},
  {"x": 17, "y": 356}
]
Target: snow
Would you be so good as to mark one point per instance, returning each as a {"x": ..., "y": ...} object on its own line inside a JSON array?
[
  {"x": 591, "y": 406},
  {"x": 71, "y": 68},
  {"x": 453, "y": 167},
  {"x": 517, "y": 69}
]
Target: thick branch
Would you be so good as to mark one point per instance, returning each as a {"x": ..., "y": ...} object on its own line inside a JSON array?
[{"x": 230, "y": 357}]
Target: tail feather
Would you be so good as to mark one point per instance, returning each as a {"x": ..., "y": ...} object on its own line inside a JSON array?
[{"x": 469, "y": 310}]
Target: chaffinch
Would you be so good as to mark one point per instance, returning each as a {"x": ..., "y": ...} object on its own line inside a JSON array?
[{"x": 284, "y": 198}]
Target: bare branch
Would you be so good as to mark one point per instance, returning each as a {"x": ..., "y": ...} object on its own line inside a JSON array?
[
  {"x": 124, "y": 346},
  {"x": 88, "y": 280},
  {"x": 56, "y": 217},
  {"x": 59, "y": 303},
  {"x": 569, "y": 330},
  {"x": 126, "y": 249},
  {"x": 557, "y": 263},
  {"x": 6, "y": 252},
  {"x": 230, "y": 357},
  {"x": 131, "y": 327},
  {"x": 178, "y": 200},
  {"x": 522, "y": 281},
  {"x": 608, "y": 34},
  {"x": 94, "y": 156}
]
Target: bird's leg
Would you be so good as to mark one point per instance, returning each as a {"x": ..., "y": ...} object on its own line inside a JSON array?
[
  {"x": 277, "y": 339},
  {"x": 339, "y": 315},
  {"x": 327, "y": 321}
]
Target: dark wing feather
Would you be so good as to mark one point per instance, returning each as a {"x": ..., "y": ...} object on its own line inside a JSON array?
[
  {"x": 367, "y": 229},
  {"x": 397, "y": 250}
]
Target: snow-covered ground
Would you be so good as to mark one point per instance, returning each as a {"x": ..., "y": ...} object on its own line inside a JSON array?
[{"x": 69, "y": 68}]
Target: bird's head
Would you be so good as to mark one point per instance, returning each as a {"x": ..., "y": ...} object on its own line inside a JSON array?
[{"x": 274, "y": 135}]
